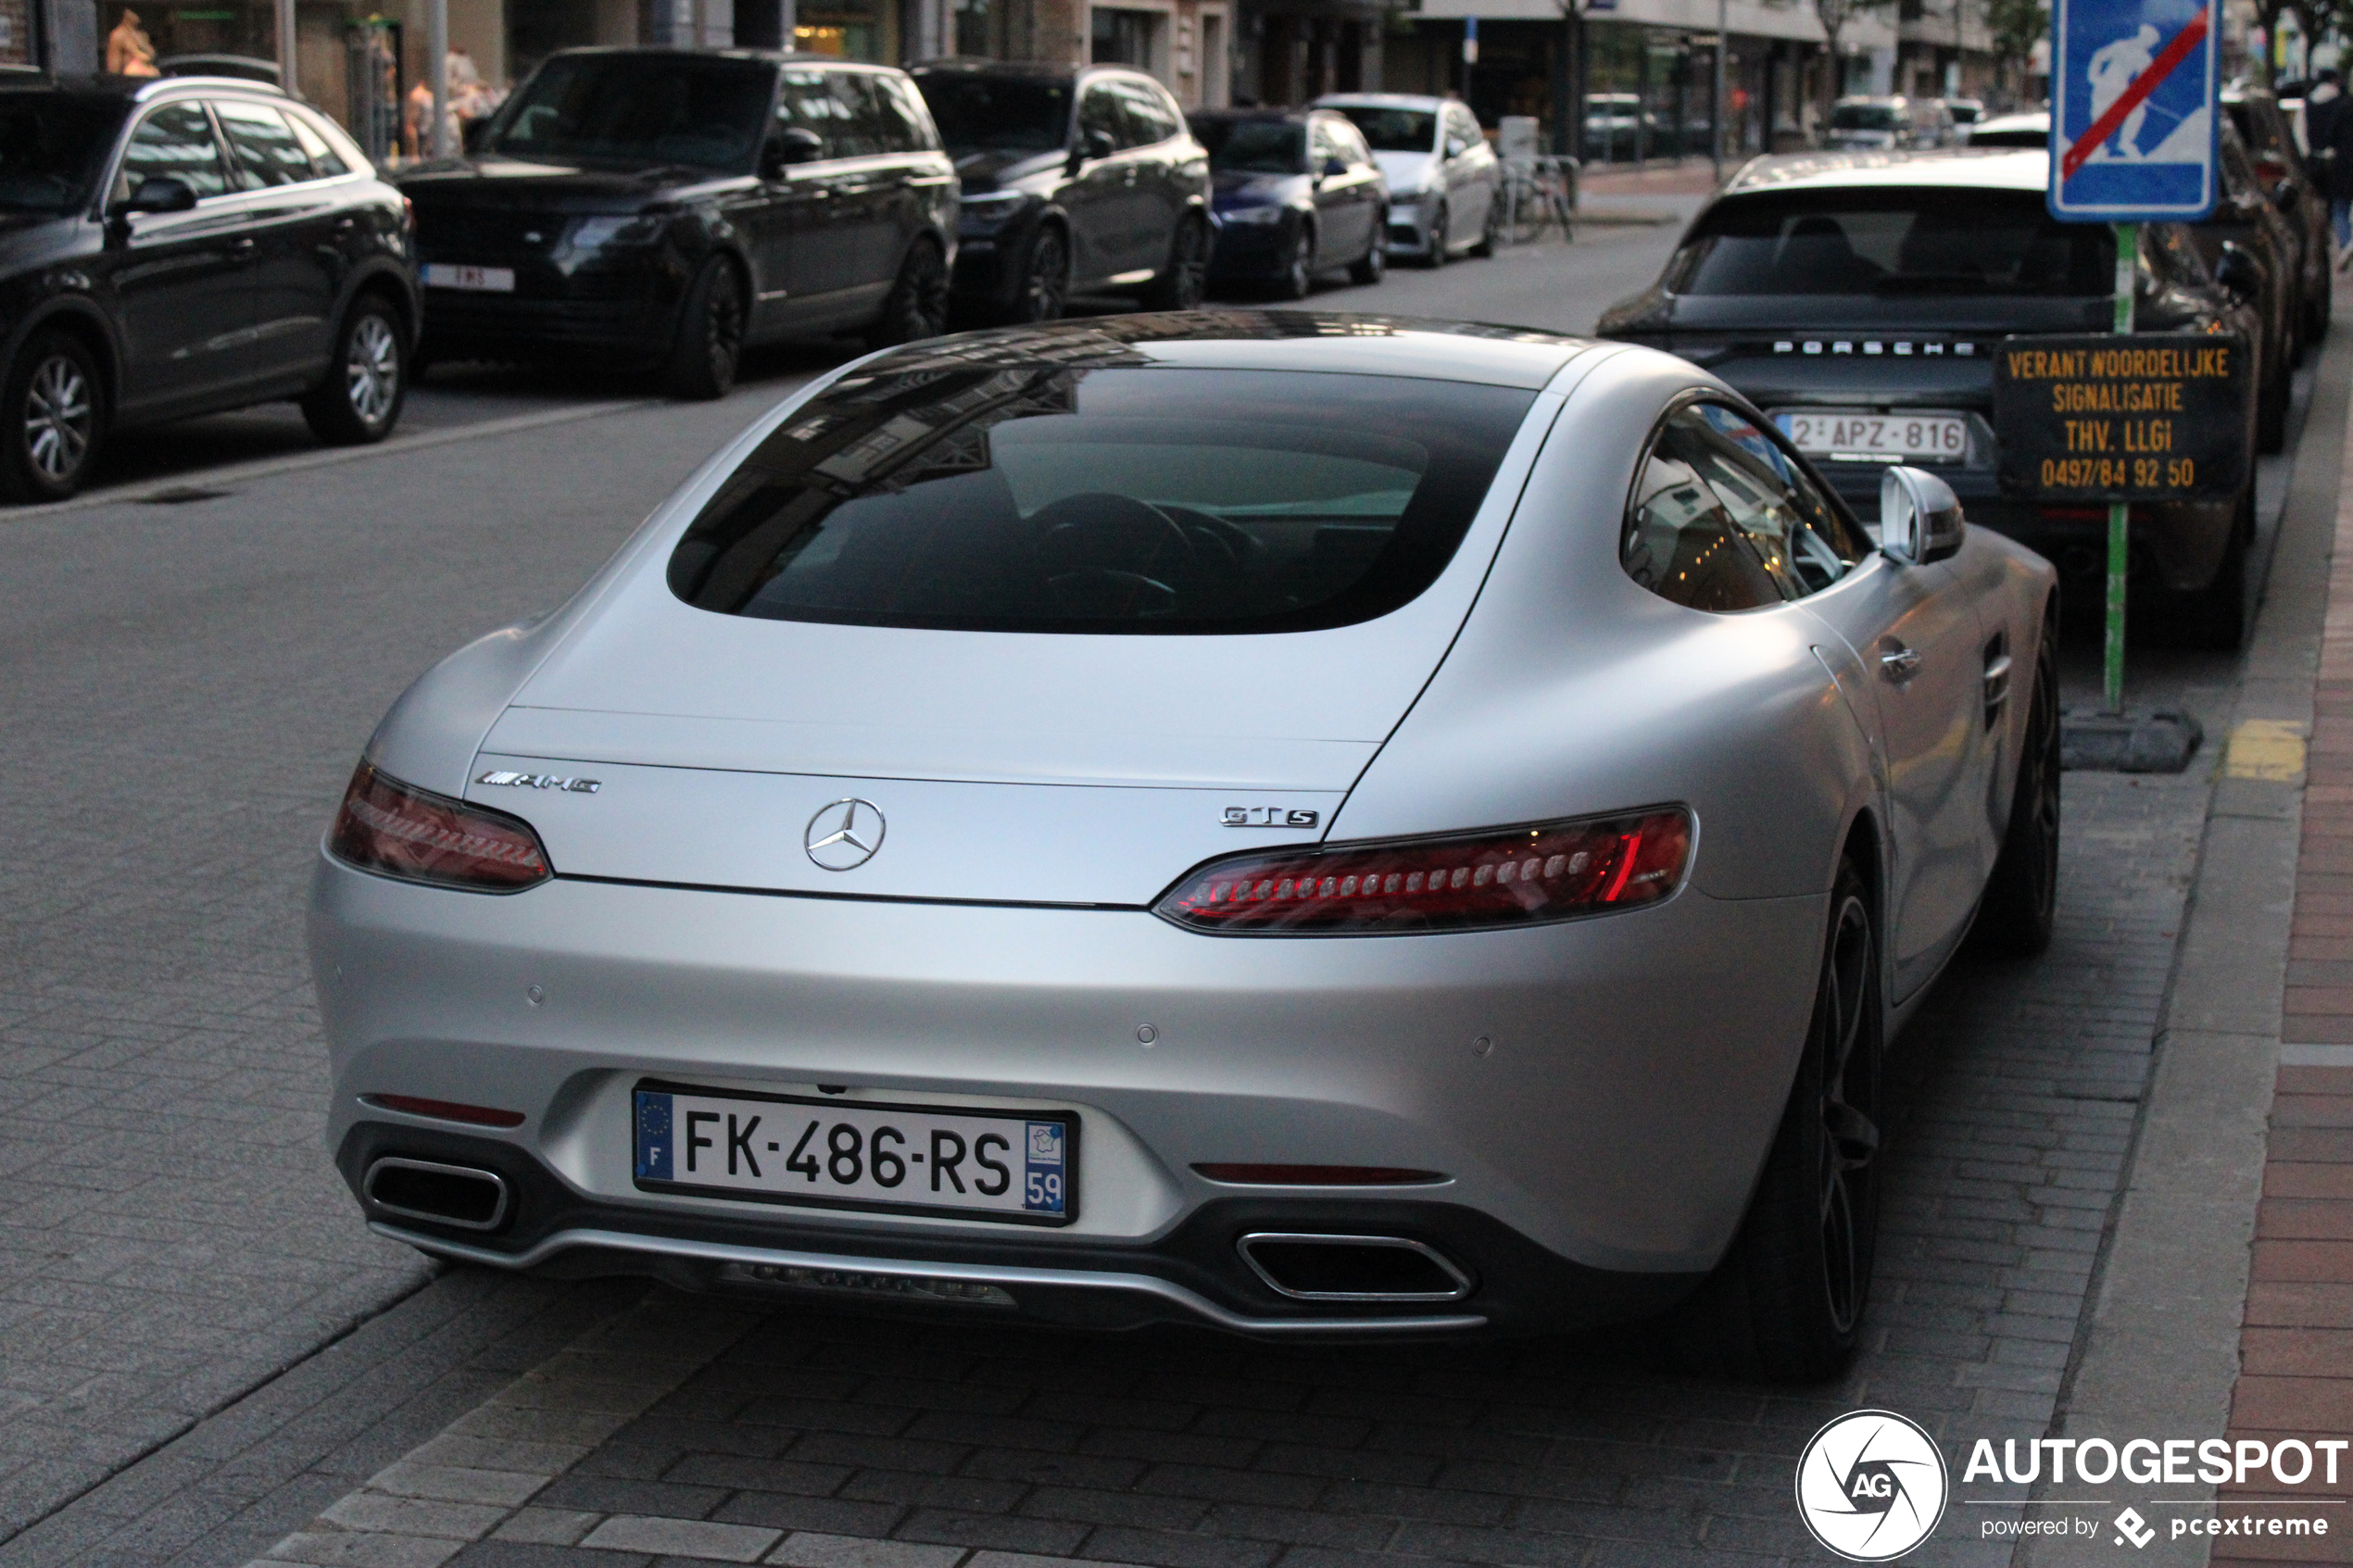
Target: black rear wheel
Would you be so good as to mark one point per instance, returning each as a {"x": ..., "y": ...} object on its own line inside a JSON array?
[
  {"x": 917, "y": 306},
  {"x": 1437, "y": 254},
  {"x": 711, "y": 335},
  {"x": 2020, "y": 904},
  {"x": 55, "y": 407},
  {"x": 2214, "y": 617},
  {"x": 1298, "y": 274},
  {"x": 1373, "y": 264},
  {"x": 1493, "y": 230},
  {"x": 367, "y": 378},
  {"x": 1185, "y": 280},
  {"x": 1045, "y": 279},
  {"x": 2271, "y": 402},
  {"x": 1786, "y": 1303}
]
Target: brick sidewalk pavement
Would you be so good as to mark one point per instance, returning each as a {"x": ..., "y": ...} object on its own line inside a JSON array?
[{"x": 2296, "y": 1345}]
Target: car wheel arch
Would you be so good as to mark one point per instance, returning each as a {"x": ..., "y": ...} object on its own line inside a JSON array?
[{"x": 89, "y": 325}]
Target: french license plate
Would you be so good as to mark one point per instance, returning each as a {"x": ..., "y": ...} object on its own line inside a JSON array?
[
  {"x": 1021, "y": 1166},
  {"x": 479, "y": 279},
  {"x": 1858, "y": 432}
]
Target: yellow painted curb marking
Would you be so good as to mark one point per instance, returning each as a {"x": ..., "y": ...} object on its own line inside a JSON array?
[{"x": 2272, "y": 749}]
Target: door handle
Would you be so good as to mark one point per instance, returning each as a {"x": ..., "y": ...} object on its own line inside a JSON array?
[
  {"x": 241, "y": 242},
  {"x": 1897, "y": 662}
]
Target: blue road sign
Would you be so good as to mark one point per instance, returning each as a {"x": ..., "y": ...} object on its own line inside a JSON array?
[{"x": 2132, "y": 102}]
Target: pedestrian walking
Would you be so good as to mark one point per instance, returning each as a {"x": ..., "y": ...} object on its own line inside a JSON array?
[{"x": 2323, "y": 107}]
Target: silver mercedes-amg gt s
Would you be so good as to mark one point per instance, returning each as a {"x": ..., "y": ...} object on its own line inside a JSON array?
[{"x": 1305, "y": 823}]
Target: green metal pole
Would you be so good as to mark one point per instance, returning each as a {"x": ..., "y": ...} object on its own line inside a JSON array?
[{"x": 2128, "y": 255}]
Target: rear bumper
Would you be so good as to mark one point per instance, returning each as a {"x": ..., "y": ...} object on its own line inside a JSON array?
[{"x": 1597, "y": 1110}]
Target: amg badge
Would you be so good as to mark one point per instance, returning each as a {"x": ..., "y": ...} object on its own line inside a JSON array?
[{"x": 540, "y": 781}]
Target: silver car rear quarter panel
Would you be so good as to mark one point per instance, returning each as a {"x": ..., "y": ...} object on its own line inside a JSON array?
[{"x": 1635, "y": 1068}]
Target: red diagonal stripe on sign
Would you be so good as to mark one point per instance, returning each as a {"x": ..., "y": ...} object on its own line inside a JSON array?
[{"x": 2173, "y": 55}]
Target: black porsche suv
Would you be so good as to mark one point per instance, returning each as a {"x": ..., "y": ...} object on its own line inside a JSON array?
[
  {"x": 664, "y": 208},
  {"x": 1857, "y": 298},
  {"x": 1074, "y": 181},
  {"x": 178, "y": 246}
]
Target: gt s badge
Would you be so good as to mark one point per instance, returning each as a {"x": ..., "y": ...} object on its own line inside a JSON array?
[
  {"x": 1270, "y": 817},
  {"x": 513, "y": 780}
]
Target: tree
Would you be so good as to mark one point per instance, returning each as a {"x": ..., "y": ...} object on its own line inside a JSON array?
[
  {"x": 2017, "y": 26},
  {"x": 1834, "y": 16}
]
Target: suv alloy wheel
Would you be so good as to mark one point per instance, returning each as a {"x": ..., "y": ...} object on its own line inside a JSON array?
[{"x": 54, "y": 408}]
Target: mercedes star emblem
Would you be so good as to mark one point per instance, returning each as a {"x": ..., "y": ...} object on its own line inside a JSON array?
[{"x": 844, "y": 835}]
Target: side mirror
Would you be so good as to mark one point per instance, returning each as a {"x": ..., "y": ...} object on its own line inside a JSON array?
[
  {"x": 2285, "y": 194},
  {"x": 2238, "y": 271},
  {"x": 1457, "y": 146},
  {"x": 160, "y": 193},
  {"x": 1919, "y": 517},
  {"x": 798, "y": 145},
  {"x": 1092, "y": 145},
  {"x": 472, "y": 134},
  {"x": 1333, "y": 168}
]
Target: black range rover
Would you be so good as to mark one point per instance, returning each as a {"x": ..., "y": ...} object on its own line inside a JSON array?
[
  {"x": 1857, "y": 298},
  {"x": 665, "y": 207}
]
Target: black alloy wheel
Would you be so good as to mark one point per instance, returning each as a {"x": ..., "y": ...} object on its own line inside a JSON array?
[
  {"x": 1373, "y": 266},
  {"x": 1492, "y": 233},
  {"x": 1436, "y": 256},
  {"x": 711, "y": 335},
  {"x": 2214, "y": 618},
  {"x": 1045, "y": 278},
  {"x": 1786, "y": 1303},
  {"x": 359, "y": 400},
  {"x": 1298, "y": 274},
  {"x": 917, "y": 306},
  {"x": 56, "y": 419},
  {"x": 2020, "y": 904},
  {"x": 1184, "y": 282}
]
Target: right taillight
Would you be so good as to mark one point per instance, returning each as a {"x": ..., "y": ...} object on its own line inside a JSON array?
[
  {"x": 1462, "y": 882},
  {"x": 398, "y": 830}
]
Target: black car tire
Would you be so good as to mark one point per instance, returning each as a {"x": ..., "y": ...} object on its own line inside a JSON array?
[
  {"x": 1298, "y": 274},
  {"x": 1045, "y": 278},
  {"x": 1492, "y": 232},
  {"x": 917, "y": 305},
  {"x": 2214, "y": 618},
  {"x": 1184, "y": 282},
  {"x": 711, "y": 335},
  {"x": 2318, "y": 305},
  {"x": 358, "y": 400},
  {"x": 2020, "y": 903},
  {"x": 1373, "y": 265},
  {"x": 56, "y": 419},
  {"x": 2272, "y": 405},
  {"x": 1436, "y": 256},
  {"x": 1786, "y": 1303}
]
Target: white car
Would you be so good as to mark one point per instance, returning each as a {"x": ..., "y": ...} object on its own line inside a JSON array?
[
  {"x": 1311, "y": 825},
  {"x": 1445, "y": 183}
]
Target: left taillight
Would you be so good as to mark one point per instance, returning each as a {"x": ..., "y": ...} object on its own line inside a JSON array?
[
  {"x": 398, "y": 830},
  {"x": 1462, "y": 882}
]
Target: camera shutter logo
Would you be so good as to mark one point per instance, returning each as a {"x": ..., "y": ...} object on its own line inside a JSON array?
[{"x": 1871, "y": 1486}]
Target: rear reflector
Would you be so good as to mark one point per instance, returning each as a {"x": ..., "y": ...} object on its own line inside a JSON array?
[
  {"x": 446, "y": 1110},
  {"x": 1515, "y": 876},
  {"x": 396, "y": 830},
  {"x": 1320, "y": 1175}
]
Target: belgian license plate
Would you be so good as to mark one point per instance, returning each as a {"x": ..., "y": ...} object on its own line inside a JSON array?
[
  {"x": 1015, "y": 1165},
  {"x": 1859, "y": 433},
  {"x": 479, "y": 279}
]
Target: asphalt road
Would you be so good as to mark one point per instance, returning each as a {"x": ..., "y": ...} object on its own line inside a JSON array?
[{"x": 196, "y": 654}]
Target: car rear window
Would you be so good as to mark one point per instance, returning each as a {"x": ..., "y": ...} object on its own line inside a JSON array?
[
  {"x": 1143, "y": 501},
  {"x": 1863, "y": 116},
  {"x": 998, "y": 114},
  {"x": 1394, "y": 130},
  {"x": 1254, "y": 147},
  {"x": 1892, "y": 242},
  {"x": 51, "y": 149}
]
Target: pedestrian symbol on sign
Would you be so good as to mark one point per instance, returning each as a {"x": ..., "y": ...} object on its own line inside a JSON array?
[{"x": 2132, "y": 90}]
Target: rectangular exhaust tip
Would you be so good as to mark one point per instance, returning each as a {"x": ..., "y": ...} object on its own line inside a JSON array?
[
  {"x": 462, "y": 1196},
  {"x": 1353, "y": 1268}
]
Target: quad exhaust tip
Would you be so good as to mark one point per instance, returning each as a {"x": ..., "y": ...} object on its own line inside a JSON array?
[
  {"x": 1353, "y": 1268},
  {"x": 463, "y": 1196}
]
